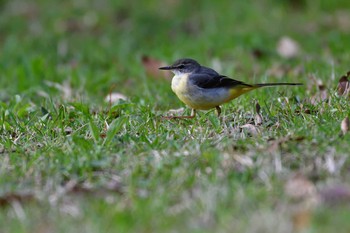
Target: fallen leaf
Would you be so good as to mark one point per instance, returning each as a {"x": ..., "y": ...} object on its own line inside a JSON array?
[
  {"x": 258, "y": 53},
  {"x": 344, "y": 126},
  {"x": 306, "y": 109},
  {"x": 257, "y": 107},
  {"x": 115, "y": 97},
  {"x": 68, "y": 130},
  {"x": 254, "y": 130},
  {"x": 151, "y": 66},
  {"x": 322, "y": 92},
  {"x": 344, "y": 85},
  {"x": 258, "y": 118},
  {"x": 287, "y": 47}
]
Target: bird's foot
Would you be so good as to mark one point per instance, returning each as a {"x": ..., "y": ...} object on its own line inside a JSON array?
[
  {"x": 193, "y": 114},
  {"x": 218, "y": 110},
  {"x": 176, "y": 117}
]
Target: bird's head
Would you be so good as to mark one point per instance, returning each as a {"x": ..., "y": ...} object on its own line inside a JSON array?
[{"x": 183, "y": 66}]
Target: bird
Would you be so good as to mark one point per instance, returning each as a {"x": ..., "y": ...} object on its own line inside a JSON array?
[{"x": 202, "y": 88}]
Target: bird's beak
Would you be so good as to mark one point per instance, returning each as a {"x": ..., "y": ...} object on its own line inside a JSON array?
[{"x": 167, "y": 68}]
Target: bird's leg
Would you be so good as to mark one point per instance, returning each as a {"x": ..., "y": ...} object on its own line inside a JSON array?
[
  {"x": 218, "y": 110},
  {"x": 193, "y": 114}
]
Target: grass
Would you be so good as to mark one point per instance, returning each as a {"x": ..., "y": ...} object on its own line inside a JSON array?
[{"x": 70, "y": 162}]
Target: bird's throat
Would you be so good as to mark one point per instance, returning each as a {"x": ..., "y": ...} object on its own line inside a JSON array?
[{"x": 179, "y": 83}]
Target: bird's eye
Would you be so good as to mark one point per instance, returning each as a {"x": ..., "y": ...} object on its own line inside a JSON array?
[{"x": 181, "y": 66}]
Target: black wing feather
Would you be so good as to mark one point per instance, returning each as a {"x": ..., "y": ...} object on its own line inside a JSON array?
[{"x": 204, "y": 80}]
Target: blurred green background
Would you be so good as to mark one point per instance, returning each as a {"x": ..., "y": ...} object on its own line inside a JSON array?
[
  {"x": 105, "y": 40},
  {"x": 59, "y": 141}
]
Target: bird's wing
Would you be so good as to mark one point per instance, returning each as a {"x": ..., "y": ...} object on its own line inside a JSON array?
[{"x": 204, "y": 80}]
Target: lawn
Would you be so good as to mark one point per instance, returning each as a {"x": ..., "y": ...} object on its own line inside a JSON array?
[{"x": 276, "y": 160}]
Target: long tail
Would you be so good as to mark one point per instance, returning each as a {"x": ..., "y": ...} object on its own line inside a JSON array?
[
  {"x": 238, "y": 90},
  {"x": 275, "y": 84}
]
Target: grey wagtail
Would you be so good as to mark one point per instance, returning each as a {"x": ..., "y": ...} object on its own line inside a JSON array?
[{"x": 202, "y": 88}]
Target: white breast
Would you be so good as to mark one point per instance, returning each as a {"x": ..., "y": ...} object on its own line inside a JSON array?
[
  {"x": 196, "y": 97},
  {"x": 179, "y": 83}
]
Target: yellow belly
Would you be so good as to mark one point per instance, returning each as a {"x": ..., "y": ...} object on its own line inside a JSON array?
[{"x": 204, "y": 98}]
